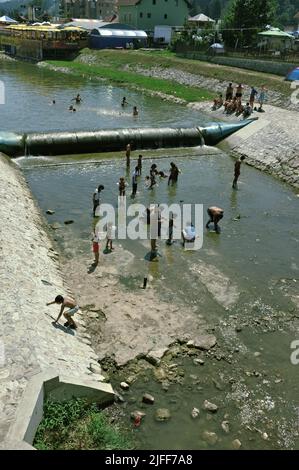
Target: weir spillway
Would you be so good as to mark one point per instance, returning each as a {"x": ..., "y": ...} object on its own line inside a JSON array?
[{"x": 80, "y": 142}]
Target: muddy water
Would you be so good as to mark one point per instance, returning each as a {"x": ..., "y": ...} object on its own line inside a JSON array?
[{"x": 243, "y": 282}]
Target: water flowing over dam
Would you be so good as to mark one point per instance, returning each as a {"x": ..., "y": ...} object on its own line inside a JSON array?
[{"x": 63, "y": 143}]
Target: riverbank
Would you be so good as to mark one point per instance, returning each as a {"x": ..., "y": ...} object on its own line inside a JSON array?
[
  {"x": 269, "y": 144},
  {"x": 30, "y": 276},
  {"x": 191, "y": 74}
]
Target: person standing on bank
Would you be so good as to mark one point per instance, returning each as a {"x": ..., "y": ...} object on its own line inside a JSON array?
[
  {"x": 237, "y": 171},
  {"x": 134, "y": 182},
  {"x": 96, "y": 198}
]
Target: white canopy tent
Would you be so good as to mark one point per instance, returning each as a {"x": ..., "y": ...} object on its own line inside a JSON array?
[{"x": 7, "y": 20}]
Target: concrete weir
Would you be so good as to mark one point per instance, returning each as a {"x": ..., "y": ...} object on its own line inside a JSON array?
[
  {"x": 37, "y": 359},
  {"x": 66, "y": 143}
]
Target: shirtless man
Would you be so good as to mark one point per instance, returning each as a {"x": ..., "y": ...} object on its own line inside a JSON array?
[
  {"x": 237, "y": 171},
  {"x": 69, "y": 303},
  {"x": 215, "y": 214}
]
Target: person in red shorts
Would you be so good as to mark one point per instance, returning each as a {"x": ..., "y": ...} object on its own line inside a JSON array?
[{"x": 95, "y": 248}]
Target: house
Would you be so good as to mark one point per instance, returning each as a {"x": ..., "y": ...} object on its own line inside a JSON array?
[
  {"x": 276, "y": 41},
  {"x": 146, "y": 14},
  {"x": 94, "y": 9}
]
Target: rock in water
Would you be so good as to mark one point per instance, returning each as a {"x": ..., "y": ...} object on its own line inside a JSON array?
[
  {"x": 162, "y": 414},
  {"x": 195, "y": 412},
  {"x": 225, "y": 426},
  {"x": 137, "y": 414},
  {"x": 68, "y": 222},
  {"x": 147, "y": 398},
  {"x": 124, "y": 385},
  {"x": 236, "y": 444},
  {"x": 50, "y": 212},
  {"x": 204, "y": 342},
  {"x": 208, "y": 406},
  {"x": 210, "y": 437}
]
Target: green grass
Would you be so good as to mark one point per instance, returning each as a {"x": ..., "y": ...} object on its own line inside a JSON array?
[
  {"x": 117, "y": 59},
  {"x": 125, "y": 78},
  {"x": 75, "y": 424}
]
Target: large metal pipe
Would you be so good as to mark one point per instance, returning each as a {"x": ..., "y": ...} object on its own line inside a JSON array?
[{"x": 71, "y": 142}]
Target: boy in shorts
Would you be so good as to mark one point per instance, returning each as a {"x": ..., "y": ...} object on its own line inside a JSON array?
[{"x": 71, "y": 305}]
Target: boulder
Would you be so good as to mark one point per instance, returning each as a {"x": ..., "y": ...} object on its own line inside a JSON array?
[
  {"x": 195, "y": 413},
  {"x": 208, "y": 406},
  {"x": 124, "y": 385},
  {"x": 50, "y": 212},
  {"x": 236, "y": 444},
  {"x": 204, "y": 342},
  {"x": 68, "y": 222},
  {"x": 149, "y": 399},
  {"x": 162, "y": 414},
  {"x": 137, "y": 414},
  {"x": 210, "y": 437},
  {"x": 225, "y": 426}
]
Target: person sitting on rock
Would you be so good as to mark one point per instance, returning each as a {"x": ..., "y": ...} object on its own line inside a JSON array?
[
  {"x": 247, "y": 111},
  {"x": 69, "y": 303},
  {"x": 218, "y": 102}
]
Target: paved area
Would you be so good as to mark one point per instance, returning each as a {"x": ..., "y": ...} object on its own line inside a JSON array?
[{"x": 29, "y": 277}]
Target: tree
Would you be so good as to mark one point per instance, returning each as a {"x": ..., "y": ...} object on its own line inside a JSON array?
[
  {"x": 215, "y": 9},
  {"x": 246, "y": 18}
]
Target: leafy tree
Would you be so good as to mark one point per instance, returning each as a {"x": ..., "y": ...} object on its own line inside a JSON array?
[
  {"x": 215, "y": 9},
  {"x": 246, "y": 18}
]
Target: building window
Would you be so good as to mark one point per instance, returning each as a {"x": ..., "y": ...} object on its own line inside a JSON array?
[
  {"x": 165, "y": 16},
  {"x": 141, "y": 15},
  {"x": 149, "y": 15}
]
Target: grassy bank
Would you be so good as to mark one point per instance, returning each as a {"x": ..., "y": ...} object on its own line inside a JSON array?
[
  {"x": 75, "y": 425},
  {"x": 116, "y": 60},
  {"x": 126, "y": 78}
]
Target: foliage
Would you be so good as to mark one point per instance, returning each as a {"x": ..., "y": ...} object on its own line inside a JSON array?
[
  {"x": 75, "y": 424},
  {"x": 251, "y": 16}
]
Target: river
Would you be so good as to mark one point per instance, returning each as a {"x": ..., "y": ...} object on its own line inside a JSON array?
[{"x": 243, "y": 282}]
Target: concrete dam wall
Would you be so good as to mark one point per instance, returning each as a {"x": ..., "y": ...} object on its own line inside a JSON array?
[{"x": 30, "y": 345}]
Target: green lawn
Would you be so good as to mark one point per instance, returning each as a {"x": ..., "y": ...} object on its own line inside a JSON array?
[
  {"x": 117, "y": 59},
  {"x": 127, "y": 78}
]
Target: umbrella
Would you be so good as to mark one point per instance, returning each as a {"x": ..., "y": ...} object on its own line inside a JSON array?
[
  {"x": 293, "y": 75},
  {"x": 217, "y": 45},
  {"x": 277, "y": 33}
]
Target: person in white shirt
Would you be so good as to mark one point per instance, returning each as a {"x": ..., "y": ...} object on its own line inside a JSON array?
[
  {"x": 110, "y": 236},
  {"x": 188, "y": 233},
  {"x": 96, "y": 198}
]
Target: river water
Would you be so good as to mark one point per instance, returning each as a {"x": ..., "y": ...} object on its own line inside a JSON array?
[{"x": 244, "y": 282}]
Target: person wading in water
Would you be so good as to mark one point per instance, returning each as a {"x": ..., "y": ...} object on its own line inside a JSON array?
[{"x": 237, "y": 171}]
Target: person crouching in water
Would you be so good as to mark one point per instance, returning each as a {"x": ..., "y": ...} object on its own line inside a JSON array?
[
  {"x": 71, "y": 305},
  {"x": 215, "y": 215}
]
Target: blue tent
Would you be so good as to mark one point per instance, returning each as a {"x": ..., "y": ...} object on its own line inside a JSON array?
[{"x": 293, "y": 75}]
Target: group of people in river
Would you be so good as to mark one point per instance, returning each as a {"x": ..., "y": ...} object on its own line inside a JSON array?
[
  {"x": 232, "y": 104},
  {"x": 188, "y": 233},
  {"x": 153, "y": 215},
  {"x": 77, "y": 99}
]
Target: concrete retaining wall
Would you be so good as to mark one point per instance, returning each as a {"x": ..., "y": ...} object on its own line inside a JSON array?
[
  {"x": 29, "y": 343},
  {"x": 267, "y": 66}
]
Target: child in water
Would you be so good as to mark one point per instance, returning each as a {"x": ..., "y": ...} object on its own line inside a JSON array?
[{"x": 122, "y": 186}]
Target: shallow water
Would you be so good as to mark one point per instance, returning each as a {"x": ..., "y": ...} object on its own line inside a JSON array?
[
  {"x": 237, "y": 278},
  {"x": 30, "y": 90},
  {"x": 247, "y": 276}
]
